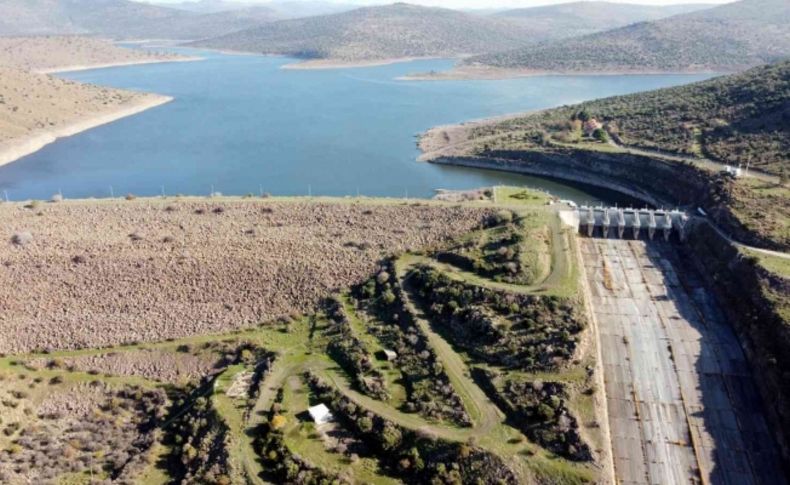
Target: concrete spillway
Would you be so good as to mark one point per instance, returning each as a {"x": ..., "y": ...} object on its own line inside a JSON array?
[{"x": 618, "y": 222}]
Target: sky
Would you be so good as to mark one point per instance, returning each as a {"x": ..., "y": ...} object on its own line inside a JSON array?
[{"x": 480, "y": 4}]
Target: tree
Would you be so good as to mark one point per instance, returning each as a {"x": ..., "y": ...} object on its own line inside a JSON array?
[
  {"x": 601, "y": 135},
  {"x": 278, "y": 421}
]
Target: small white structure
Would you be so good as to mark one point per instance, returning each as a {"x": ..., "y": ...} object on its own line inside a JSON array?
[
  {"x": 320, "y": 414},
  {"x": 390, "y": 354},
  {"x": 734, "y": 171}
]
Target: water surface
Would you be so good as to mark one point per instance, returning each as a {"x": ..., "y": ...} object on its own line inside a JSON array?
[{"x": 240, "y": 124}]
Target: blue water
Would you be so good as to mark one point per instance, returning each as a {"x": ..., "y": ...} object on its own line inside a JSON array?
[{"x": 240, "y": 124}]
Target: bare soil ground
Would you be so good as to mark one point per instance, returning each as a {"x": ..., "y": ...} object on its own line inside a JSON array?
[
  {"x": 151, "y": 364},
  {"x": 99, "y": 274}
]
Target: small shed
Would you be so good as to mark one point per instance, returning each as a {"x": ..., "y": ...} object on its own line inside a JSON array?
[
  {"x": 733, "y": 171},
  {"x": 390, "y": 355},
  {"x": 320, "y": 414}
]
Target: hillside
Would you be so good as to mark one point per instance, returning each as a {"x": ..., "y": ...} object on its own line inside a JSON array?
[
  {"x": 284, "y": 8},
  {"x": 205, "y": 25},
  {"x": 122, "y": 19},
  {"x": 732, "y": 119},
  {"x": 573, "y": 19},
  {"x": 48, "y": 53},
  {"x": 726, "y": 38},
  {"x": 35, "y": 109},
  {"x": 176, "y": 294},
  {"x": 377, "y": 33}
]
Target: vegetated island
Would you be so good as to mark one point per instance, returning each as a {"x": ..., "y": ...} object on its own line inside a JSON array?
[
  {"x": 243, "y": 340},
  {"x": 37, "y": 109},
  {"x": 727, "y": 38},
  {"x": 375, "y": 35}
]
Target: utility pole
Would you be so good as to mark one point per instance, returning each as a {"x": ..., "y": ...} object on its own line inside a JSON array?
[{"x": 112, "y": 194}]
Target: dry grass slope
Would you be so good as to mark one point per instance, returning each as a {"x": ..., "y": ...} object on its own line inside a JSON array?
[
  {"x": 99, "y": 274},
  {"x": 56, "y": 52},
  {"x": 31, "y": 103}
]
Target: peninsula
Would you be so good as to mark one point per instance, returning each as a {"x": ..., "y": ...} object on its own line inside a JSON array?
[{"x": 37, "y": 109}]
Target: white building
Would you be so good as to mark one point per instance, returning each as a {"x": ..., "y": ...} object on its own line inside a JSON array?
[{"x": 320, "y": 414}]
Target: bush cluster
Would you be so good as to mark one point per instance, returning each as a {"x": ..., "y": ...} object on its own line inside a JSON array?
[
  {"x": 411, "y": 455},
  {"x": 281, "y": 465},
  {"x": 200, "y": 445},
  {"x": 351, "y": 353},
  {"x": 115, "y": 440},
  {"x": 428, "y": 388},
  {"x": 541, "y": 411},
  {"x": 540, "y": 332}
]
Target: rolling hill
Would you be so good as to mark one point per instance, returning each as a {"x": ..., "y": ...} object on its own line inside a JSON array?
[
  {"x": 727, "y": 38},
  {"x": 573, "y": 19},
  {"x": 730, "y": 119},
  {"x": 736, "y": 119},
  {"x": 377, "y": 33},
  {"x": 284, "y": 8},
  {"x": 122, "y": 19},
  {"x": 45, "y": 53}
]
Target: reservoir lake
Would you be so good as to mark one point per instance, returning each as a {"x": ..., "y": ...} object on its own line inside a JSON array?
[{"x": 240, "y": 124}]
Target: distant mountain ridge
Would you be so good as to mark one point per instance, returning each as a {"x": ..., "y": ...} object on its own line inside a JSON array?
[
  {"x": 729, "y": 37},
  {"x": 374, "y": 33},
  {"x": 122, "y": 19},
  {"x": 573, "y": 19},
  {"x": 284, "y": 8}
]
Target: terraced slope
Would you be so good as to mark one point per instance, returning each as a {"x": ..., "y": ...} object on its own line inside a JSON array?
[{"x": 243, "y": 416}]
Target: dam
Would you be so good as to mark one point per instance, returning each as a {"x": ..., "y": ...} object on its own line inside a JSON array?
[{"x": 622, "y": 223}]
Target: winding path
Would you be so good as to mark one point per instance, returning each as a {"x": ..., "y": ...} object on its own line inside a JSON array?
[{"x": 699, "y": 161}]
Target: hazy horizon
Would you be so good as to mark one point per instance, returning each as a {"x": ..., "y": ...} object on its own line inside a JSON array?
[{"x": 457, "y": 4}]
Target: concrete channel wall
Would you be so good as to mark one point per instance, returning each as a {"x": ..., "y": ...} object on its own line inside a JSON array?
[{"x": 739, "y": 283}]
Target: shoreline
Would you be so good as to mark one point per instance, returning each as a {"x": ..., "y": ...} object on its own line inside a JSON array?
[
  {"x": 16, "y": 148},
  {"x": 316, "y": 64},
  {"x": 88, "y": 67},
  {"x": 468, "y": 73}
]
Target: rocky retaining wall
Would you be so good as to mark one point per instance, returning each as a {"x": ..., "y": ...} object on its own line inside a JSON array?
[{"x": 741, "y": 287}]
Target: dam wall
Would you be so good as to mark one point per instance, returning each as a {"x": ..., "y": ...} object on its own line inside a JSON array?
[{"x": 657, "y": 182}]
